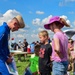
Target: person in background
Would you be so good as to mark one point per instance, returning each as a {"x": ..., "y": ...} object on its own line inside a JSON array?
[
  {"x": 20, "y": 45},
  {"x": 49, "y": 40},
  {"x": 71, "y": 50},
  {"x": 32, "y": 45},
  {"x": 32, "y": 68},
  {"x": 25, "y": 44},
  {"x": 44, "y": 54},
  {"x": 5, "y": 57},
  {"x": 37, "y": 42},
  {"x": 59, "y": 45},
  {"x": 28, "y": 49},
  {"x": 12, "y": 43}
]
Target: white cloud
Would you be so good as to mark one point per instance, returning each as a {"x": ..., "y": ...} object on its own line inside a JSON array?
[
  {"x": 69, "y": 0},
  {"x": 45, "y": 20},
  {"x": 27, "y": 27},
  {"x": 1, "y": 15},
  {"x": 68, "y": 21},
  {"x": 65, "y": 2},
  {"x": 72, "y": 12},
  {"x": 34, "y": 35},
  {"x": 30, "y": 12},
  {"x": 62, "y": 4},
  {"x": 40, "y": 22},
  {"x": 65, "y": 17},
  {"x": 11, "y": 13},
  {"x": 74, "y": 23},
  {"x": 22, "y": 30},
  {"x": 36, "y": 21},
  {"x": 20, "y": 36},
  {"x": 39, "y": 12},
  {"x": 8, "y": 15},
  {"x": 34, "y": 31},
  {"x": 40, "y": 29}
]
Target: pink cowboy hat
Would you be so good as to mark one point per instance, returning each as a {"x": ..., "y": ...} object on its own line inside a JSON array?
[{"x": 55, "y": 19}]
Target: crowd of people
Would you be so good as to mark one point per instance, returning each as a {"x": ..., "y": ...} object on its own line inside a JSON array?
[
  {"x": 20, "y": 45},
  {"x": 51, "y": 57}
]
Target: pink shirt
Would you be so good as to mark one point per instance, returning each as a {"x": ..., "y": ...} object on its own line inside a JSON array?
[{"x": 63, "y": 40}]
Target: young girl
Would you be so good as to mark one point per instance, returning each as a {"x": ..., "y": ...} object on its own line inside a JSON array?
[
  {"x": 59, "y": 45},
  {"x": 44, "y": 54},
  {"x": 32, "y": 69}
]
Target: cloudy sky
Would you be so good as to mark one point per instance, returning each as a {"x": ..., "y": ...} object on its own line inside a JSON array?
[{"x": 36, "y": 13}]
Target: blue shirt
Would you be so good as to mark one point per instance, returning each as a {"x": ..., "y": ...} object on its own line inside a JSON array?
[
  {"x": 32, "y": 47},
  {"x": 4, "y": 35}
]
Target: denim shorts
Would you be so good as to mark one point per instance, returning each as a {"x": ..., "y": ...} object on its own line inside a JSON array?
[
  {"x": 28, "y": 72},
  {"x": 59, "y": 68}
]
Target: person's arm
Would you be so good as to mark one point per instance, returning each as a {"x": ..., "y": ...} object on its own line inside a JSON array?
[
  {"x": 35, "y": 73},
  {"x": 5, "y": 49},
  {"x": 57, "y": 47},
  {"x": 9, "y": 56}
]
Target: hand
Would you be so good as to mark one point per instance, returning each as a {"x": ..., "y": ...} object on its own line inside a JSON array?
[
  {"x": 59, "y": 55},
  {"x": 9, "y": 60},
  {"x": 10, "y": 55},
  {"x": 35, "y": 73},
  {"x": 38, "y": 73}
]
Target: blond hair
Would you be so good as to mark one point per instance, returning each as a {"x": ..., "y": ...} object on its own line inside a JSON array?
[
  {"x": 63, "y": 21},
  {"x": 44, "y": 33}
]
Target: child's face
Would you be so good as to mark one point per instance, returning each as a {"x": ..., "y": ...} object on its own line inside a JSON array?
[{"x": 42, "y": 38}]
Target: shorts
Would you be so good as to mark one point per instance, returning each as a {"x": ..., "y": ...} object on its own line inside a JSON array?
[
  {"x": 60, "y": 68},
  {"x": 28, "y": 72}
]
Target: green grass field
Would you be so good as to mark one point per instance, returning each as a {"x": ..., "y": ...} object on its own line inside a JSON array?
[{"x": 21, "y": 65}]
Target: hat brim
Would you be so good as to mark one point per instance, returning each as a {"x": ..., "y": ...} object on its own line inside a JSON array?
[{"x": 47, "y": 26}]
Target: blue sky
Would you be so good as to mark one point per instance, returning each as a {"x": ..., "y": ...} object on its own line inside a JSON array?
[{"x": 36, "y": 13}]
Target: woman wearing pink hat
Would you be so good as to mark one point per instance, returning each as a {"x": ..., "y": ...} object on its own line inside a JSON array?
[{"x": 59, "y": 45}]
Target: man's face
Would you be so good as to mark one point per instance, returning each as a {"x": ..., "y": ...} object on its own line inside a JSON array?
[{"x": 14, "y": 25}]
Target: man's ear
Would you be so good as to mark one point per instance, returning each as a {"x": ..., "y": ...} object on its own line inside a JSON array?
[{"x": 15, "y": 23}]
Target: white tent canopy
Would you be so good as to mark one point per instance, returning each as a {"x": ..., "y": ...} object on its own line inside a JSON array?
[
  {"x": 73, "y": 37},
  {"x": 70, "y": 32}
]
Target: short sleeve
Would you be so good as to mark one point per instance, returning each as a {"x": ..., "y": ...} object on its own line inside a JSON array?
[
  {"x": 50, "y": 50},
  {"x": 55, "y": 36}
]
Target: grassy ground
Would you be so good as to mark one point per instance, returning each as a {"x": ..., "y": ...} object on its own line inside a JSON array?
[{"x": 21, "y": 65}]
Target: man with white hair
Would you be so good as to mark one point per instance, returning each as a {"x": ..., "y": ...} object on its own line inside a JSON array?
[{"x": 5, "y": 57}]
